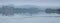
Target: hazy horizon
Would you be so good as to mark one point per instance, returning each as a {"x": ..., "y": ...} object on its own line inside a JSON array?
[{"x": 31, "y": 2}]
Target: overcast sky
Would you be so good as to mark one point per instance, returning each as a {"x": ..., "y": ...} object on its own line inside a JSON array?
[{"x": 32, "y": 2}]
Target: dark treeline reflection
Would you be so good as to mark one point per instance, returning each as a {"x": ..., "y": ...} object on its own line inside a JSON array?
[
  {"x": 10, "y": 10},
  {"x": 49, "y": 10}
]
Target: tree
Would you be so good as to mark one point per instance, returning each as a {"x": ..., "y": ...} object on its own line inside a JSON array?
[{"x": 48, "y": 10}]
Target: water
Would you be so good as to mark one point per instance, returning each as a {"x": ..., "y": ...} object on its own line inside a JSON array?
[{"x": 35, "y": 18}]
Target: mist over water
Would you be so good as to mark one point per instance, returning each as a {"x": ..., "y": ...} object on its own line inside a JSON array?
[{"x": 29, "y": 11}]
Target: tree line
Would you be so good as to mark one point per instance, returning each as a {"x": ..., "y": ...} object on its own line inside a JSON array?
[
  {"x": 10, "y": 10},
  {"x": 50, "y": 10}
]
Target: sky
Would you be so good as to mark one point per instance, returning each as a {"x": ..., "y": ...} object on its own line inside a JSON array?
[{"x": 31, "y": 2}]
